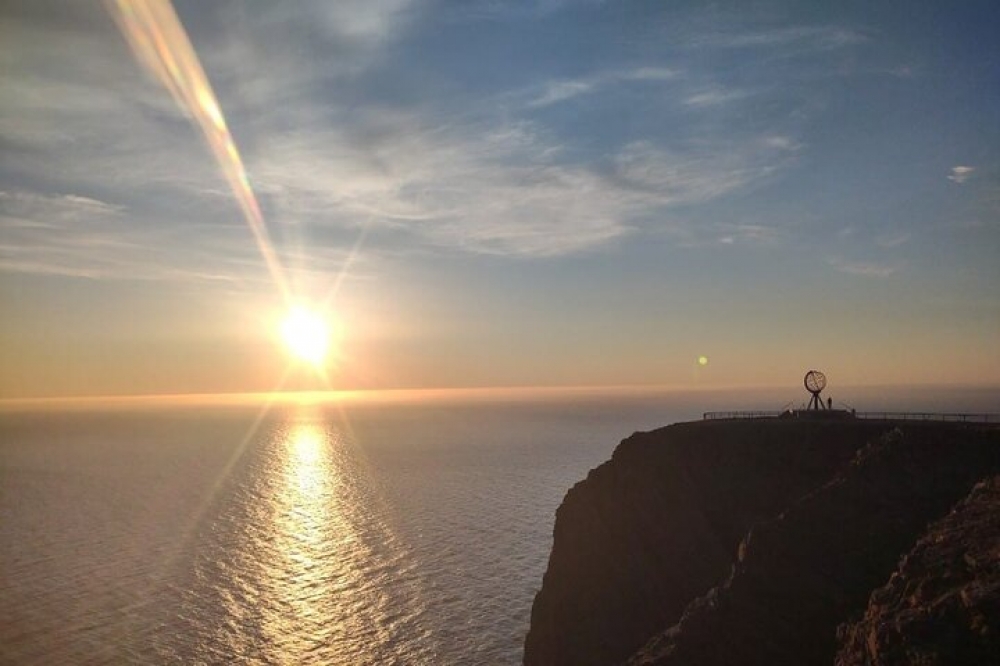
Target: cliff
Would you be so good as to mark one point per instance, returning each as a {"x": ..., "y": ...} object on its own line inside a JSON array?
[
  {"x": 942, "y": 605},
  {"x": 742, "y": 541}
]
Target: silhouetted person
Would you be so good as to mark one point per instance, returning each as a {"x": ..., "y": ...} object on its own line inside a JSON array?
[{"x": 829, "y": 403}]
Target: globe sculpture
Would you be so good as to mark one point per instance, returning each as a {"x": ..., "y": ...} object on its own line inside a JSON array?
[{"x": 815, "y": 382}]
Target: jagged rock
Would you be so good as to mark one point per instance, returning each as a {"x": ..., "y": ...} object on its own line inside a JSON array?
[
  {"x": 659, "y": 524},
  {"x": 799, "y": 575},
  {"x": 942, "y": 605}
]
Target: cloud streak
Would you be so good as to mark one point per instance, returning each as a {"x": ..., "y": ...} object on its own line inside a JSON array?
[
  {"x": 554, "y": 92},
  {"x": 808, "y": 37},
  {"x": 500, "y": 189},
  {"x": 960, "y": 174},
  {"x": 713, "y": 97},
  {"x": 863, "y": 268},
  {"x": 75, "y": 236}
]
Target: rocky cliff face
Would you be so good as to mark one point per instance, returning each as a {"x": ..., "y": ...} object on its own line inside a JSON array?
[
  {"x": 659, "y": 524},
  {"x": 942, "y": 605},
  {"x": 741, "y": 542}
]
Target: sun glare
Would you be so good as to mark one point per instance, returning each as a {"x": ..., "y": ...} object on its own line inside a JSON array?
[{"x": 307, "y": 335}]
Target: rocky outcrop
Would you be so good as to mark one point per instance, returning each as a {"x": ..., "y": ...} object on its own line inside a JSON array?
[
  {"x": 659, "y": 525},
  {"x": 742, "y": 542},
  {"x": 942, "y": 605}
]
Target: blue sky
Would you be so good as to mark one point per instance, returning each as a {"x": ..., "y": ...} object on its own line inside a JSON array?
[{"x": 528, "y": 193}]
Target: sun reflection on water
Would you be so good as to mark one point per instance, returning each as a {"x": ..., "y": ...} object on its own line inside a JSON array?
[
  {"x": 329, "y": 556},
  {"x": 303, "y": 565},
  {"x": 307, "y": 525},
  {"x": 309, "y": 466}
]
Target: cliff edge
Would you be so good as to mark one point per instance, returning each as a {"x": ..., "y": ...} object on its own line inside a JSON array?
[{"x": 742, "y": 541}]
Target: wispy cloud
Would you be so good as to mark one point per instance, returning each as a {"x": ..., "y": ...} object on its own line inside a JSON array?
[
  {"x": 863, "y": 268},
  {"x": 71, "y": 235},
  {"x": 60, "y": 234},
  {"x": 713, "y": 97},
  {"x": 706, "y": 172},
  {"x": 782, "y": 142},
  {"x": 500, "y": 191},
  {"x": 748, "y": 234},
  {"x": 893, "y": 240},
  {"x": 558, "y": 91},
  {"x": 58, "y": 208},
  {"x": 649, "y": 74},
  {"x": 811, "y": 37},
  {"x": 960, "y": 174},
  {"x": 77, "y": 236},
  {"x": 369, "y": 20},
  {"x": 902, "y": 72},
  {"x": 524, "y": 10}
]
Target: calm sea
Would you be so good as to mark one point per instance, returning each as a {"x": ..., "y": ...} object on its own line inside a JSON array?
[{"x": 376, "y": 533}]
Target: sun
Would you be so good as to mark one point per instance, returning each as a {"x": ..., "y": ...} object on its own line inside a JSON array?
[{"x": 307, "y": 335}]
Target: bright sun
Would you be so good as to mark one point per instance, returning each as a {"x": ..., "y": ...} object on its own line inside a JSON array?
[{"x": 307, "y": 335}]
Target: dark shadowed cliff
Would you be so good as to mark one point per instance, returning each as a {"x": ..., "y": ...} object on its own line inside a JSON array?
[
  {"x": 942, "y": 605},
  {"x": 742, "y": 541}
]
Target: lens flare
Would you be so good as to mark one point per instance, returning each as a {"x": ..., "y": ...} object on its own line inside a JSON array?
[{"x": 160, "y": 43}]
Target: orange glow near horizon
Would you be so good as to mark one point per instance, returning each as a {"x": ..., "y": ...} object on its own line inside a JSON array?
[{"x": 356, "y": 396}]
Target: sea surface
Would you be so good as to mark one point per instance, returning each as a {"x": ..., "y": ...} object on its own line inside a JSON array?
[{"x": 385, "y": 532}]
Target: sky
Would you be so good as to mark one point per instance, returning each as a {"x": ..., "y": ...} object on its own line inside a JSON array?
[{"x": 491, "y": 194}]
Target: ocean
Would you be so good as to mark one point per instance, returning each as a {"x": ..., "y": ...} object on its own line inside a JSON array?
[{"x": 370, "y": 532}]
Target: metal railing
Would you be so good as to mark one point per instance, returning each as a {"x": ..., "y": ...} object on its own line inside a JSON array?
[
  {"x": 712, "y": 416},
  {"x": 871, "y": 416},
  {"x": 929, "y": 416}
]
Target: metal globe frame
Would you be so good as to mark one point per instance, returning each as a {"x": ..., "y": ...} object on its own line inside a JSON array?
[{"x": 815, "y": 382}]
